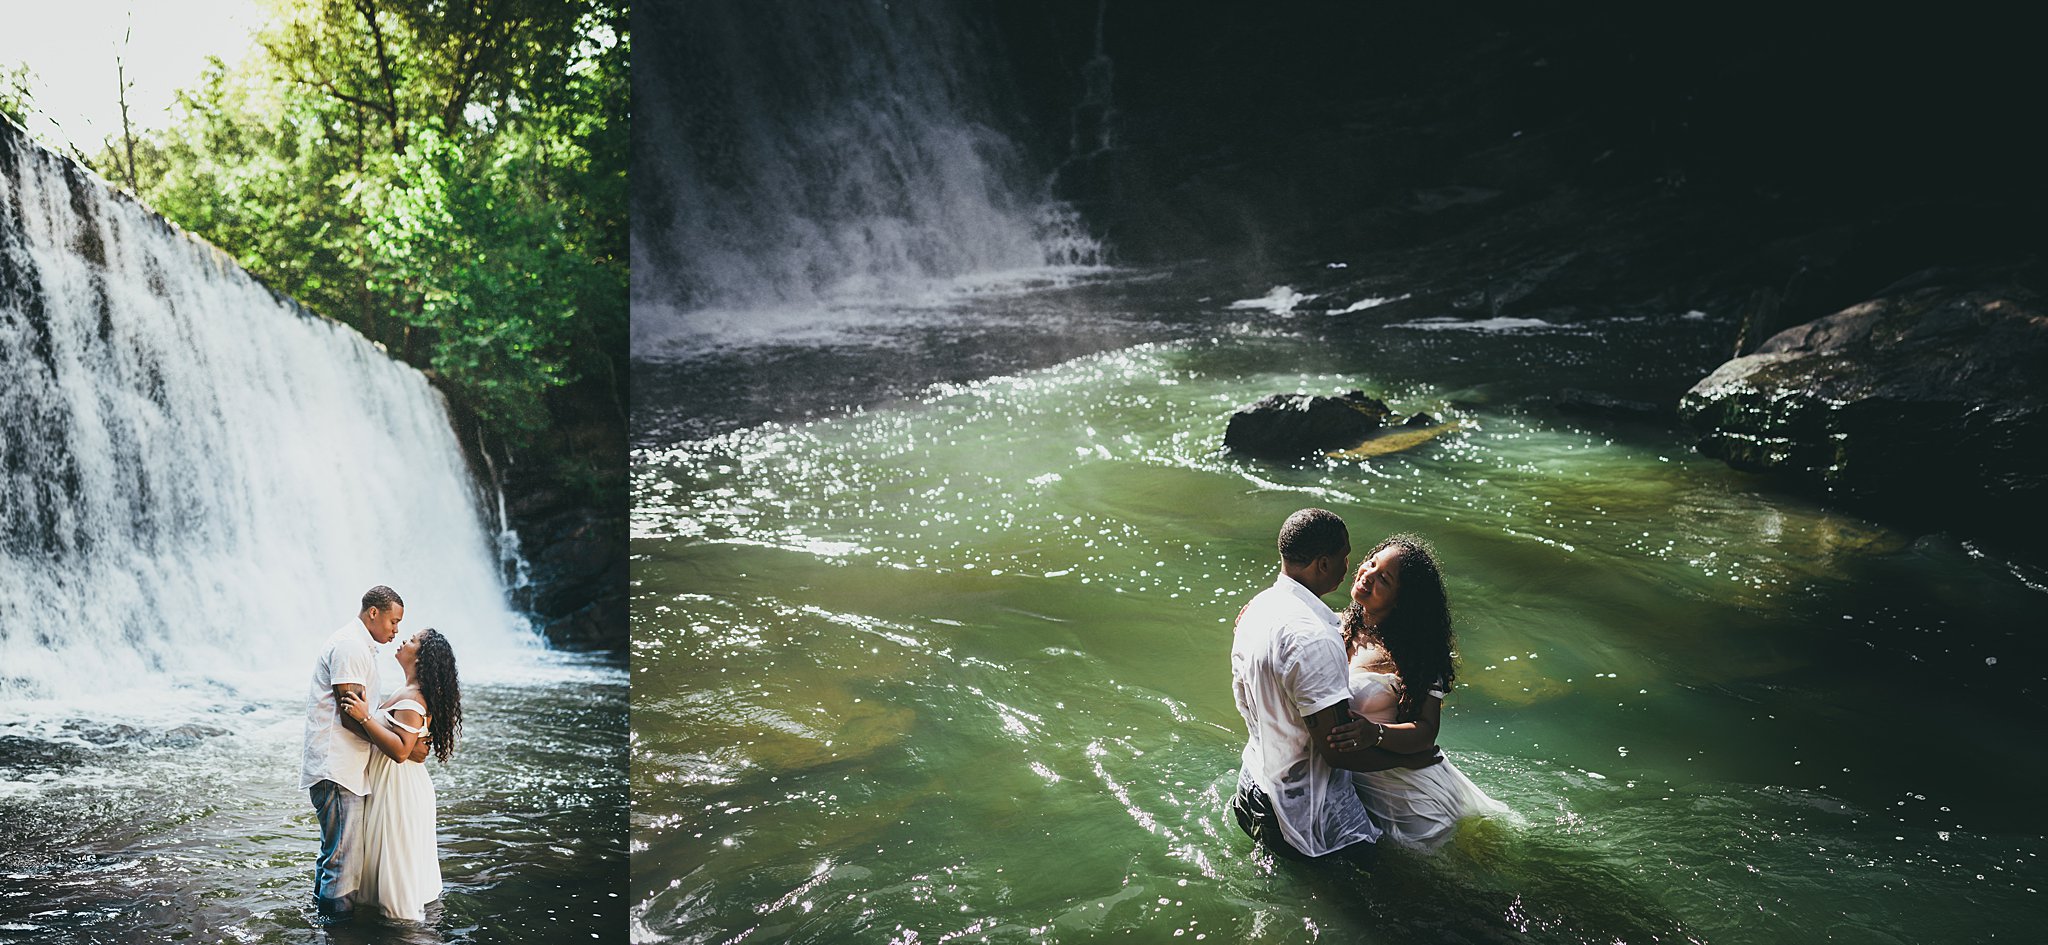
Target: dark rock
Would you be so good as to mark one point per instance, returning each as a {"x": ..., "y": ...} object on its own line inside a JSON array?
[
  {"x": 564, "y": 496},
  {"x": 1926, "y": 407},
  {"x": 578, "y": 575},
  {"x": 186, "y": 736},
  {"x": 111, "y": 734},
  {"x": 1358, "y": 401},
  {"x": 1419, "y": 420},
  {"x": 1293, "y": 426},
  {"x": 22, "y": 754}
]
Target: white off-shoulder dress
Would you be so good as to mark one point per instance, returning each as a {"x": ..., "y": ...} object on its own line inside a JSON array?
[
  {"x": 400, "y": 865},
  {"x": 1418, "y": 807}
]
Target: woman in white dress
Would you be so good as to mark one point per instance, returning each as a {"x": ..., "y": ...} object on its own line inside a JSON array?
[
  {"x": 399, "y": 863},
  {"x": 1398, "y": 631}
]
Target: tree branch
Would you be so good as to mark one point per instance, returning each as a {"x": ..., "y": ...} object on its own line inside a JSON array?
[{"x": 368, "y": 10}]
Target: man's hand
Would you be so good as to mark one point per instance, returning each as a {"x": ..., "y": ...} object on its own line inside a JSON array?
[{"x": 420, "y": 750}]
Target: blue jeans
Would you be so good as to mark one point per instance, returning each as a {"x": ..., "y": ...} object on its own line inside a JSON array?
[{"x": 340, "y": 811}]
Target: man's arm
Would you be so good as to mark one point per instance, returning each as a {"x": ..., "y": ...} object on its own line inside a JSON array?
[
  {"x": 341, "y": 693},
  {"x": 400, "y": 745},
  {"x": 1325, "y": 720}
]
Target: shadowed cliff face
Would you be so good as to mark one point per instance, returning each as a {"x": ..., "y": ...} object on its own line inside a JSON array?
[{"x": 1278, "y": 128}]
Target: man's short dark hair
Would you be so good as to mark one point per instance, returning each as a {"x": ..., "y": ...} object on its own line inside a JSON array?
[
  {"x": 381, "y": 598},
  {"x": 1312, "y": 533}
]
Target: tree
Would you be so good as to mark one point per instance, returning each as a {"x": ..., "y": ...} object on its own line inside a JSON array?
[
  {"x": 122, "y": 85},
  {"x": 450, "y": 179}
]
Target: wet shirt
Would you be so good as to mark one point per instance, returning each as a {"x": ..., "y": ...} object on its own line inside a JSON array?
[
  {"x": 333, "y": 753},
  {"x": 1287, "y": 663}
]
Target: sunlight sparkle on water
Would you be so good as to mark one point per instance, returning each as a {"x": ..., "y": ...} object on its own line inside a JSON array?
[{"x": 1015, "y": 594}]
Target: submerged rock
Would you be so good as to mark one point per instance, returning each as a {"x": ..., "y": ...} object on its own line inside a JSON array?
[
  {"x": 21, "y": 754},
  {"x": 1295, "y": 426},
  {"x": 1406, "y": 436},
  {"x": 1927, "y": 406},
  {"x": 1605, "y": 406}
]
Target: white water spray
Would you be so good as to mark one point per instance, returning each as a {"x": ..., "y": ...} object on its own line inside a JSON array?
[{"x": 804, "y": 156}]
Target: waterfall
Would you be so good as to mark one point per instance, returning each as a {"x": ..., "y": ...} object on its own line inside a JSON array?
[
  {"x": 791, "y": 155},
  {"x": 199, "y": 477}
]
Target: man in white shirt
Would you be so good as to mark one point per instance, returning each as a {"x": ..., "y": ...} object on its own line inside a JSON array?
[
  {"x": 1292, "y": 682},
  {"x": 336, "y": 764}
]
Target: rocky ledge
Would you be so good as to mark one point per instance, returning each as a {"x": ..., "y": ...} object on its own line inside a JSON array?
[
  {"x": 577, "y": 570},
  {"x": 1926, "y": 407}
]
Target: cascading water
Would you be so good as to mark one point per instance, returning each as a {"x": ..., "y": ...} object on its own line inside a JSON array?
[
  {"x": 803, "y": 155},
  {"x": 199, "y": 477}
]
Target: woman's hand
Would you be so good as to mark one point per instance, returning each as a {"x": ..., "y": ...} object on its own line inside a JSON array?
[
  {"x": 354, "y": 705},
  {"x": 1356, "y": 734},
  {"x": 1401, "y": 738}
]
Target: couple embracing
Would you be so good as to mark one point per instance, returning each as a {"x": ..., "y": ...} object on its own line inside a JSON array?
[
  {"x": 364, "y": 763},
  {"x": 1343, "y": 710}
]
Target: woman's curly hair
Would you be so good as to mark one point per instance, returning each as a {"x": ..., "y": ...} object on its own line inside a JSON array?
[
  {"x": 441, "y": 690},
  {"x": 1417, "y": 633}
]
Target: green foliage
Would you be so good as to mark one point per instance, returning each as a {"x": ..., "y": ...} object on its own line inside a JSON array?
[
  {"x": 17, "y": 93},
  {"x": 496, "y": 283},
  {"x": 447, "y": 178}
]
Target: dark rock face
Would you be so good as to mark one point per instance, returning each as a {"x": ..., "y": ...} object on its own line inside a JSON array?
[
  {"x": 565, "y": 497},
  {"x": 577, "y": 566},
  {"x": 1926, "y": 407},
  {"x": 1293, "y": 426}
]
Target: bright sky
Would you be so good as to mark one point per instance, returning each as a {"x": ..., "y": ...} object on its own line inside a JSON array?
[{"x": 71, "y": 45}]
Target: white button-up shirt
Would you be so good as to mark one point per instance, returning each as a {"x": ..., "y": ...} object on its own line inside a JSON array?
[
  {"x": 333, "y": 753},
  {"x": 1287, "y": 663}
]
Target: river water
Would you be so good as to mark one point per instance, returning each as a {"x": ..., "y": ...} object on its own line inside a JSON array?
[
  {"x": 159, "y": 828},
  {"x": 932, "y": 615}
]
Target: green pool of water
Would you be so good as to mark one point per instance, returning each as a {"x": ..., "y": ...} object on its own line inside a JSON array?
[{"x": 957, "y": 670}]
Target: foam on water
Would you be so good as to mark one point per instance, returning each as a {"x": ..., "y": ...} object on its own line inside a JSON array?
[
  {"x": 1363, "y": 304},
  {"x": 856, "y": 316},
  {"x": 1280, "y": 300},
  {"x": 1502, "y": 324}
]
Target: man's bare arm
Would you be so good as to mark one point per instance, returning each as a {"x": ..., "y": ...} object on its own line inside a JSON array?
[
  {"x": 348, "y": 721},
  {"x": 1361, "y": 759},
  {"x": 398, "y": 744}
]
